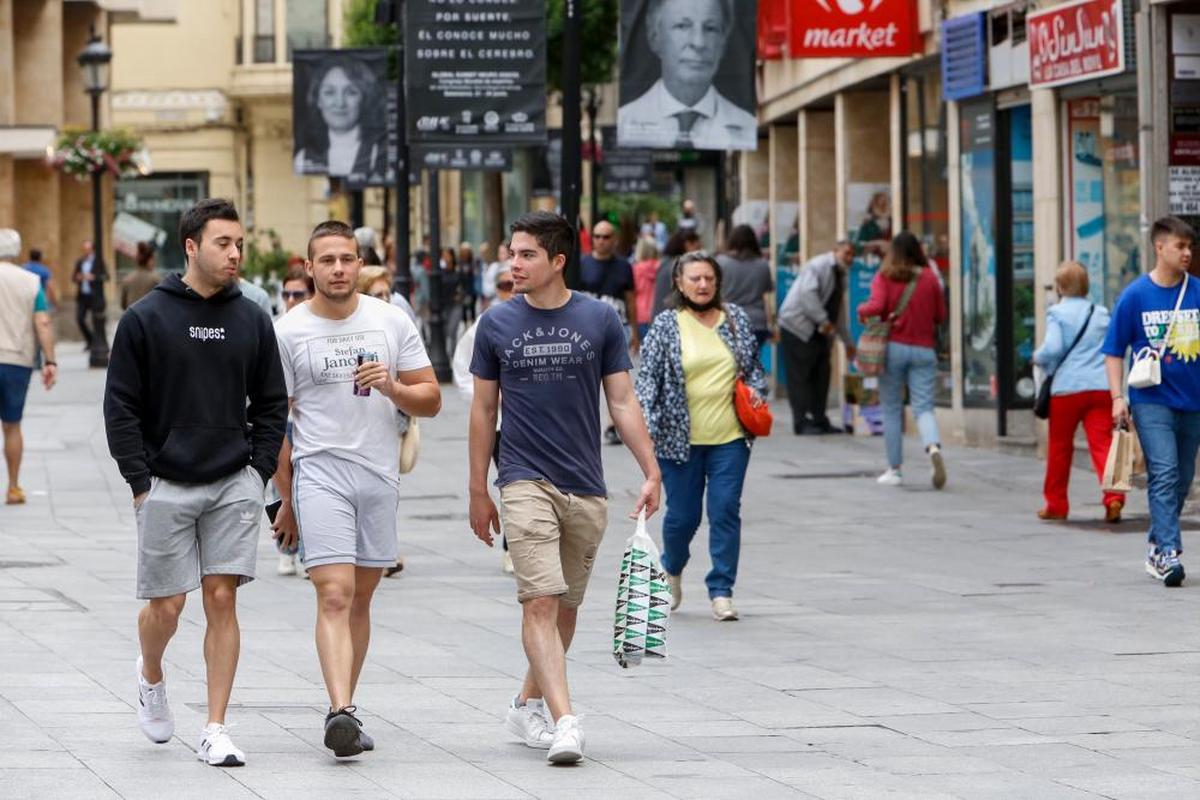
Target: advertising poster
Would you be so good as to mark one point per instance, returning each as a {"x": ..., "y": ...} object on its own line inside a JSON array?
[
  {"x": 1086, "y": 210},
  {"x": 1075, "y": 41},
  {"x": 475, "y": 72},
  {"x": 687, "y": 75},
  {"x": 977, "y": 164},
  {"x": 869, "y": 214},
  {"x": 341, "y": 125}
]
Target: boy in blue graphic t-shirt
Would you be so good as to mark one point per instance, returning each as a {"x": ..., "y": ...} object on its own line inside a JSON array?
[{"x": 1167, "y": 415}]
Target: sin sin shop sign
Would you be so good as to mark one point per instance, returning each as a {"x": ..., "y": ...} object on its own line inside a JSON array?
[
  {"x": 1075, "y": 42},
  {"x": 862, "y": 28}
]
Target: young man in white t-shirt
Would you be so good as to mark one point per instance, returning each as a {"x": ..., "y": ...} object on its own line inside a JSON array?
[{"x": 349, "y": 361}]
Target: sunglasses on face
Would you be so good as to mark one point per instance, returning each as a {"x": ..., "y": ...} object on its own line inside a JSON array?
[
  {"x": 289, "y": 295},
  {"x": 505, "y": 286}
]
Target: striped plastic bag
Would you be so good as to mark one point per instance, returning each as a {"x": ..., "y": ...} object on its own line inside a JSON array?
[{"x": 643, "y": 602}]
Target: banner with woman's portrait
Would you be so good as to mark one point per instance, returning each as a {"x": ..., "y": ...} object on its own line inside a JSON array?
[
  {"x": 687, "y": 74},
  {"x": 340, "y": 116}
]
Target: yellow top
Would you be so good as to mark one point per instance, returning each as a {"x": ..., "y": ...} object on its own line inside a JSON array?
[{"x": 709, "y": 372}]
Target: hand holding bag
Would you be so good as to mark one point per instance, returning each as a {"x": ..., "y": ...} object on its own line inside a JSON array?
[
  {"x": 1118, "y": 467},
  {"x": 871, "y": 351},
  {"x": 643, "y": 601},
  {"x": 1146, "y": 371},
  {"x": 752, "y": 411},
  {"x": 1041, "y": 406}
]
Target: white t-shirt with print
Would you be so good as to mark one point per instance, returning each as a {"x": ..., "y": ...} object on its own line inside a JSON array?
[{"x": 319, "y": 359}]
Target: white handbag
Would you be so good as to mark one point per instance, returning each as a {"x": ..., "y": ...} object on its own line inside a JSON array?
[{"x": 1146, "y": 371}]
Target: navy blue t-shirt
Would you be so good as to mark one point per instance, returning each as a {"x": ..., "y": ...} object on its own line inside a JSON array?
[
  {"x": 550, "y": 364},
  {"x": 607, "y": 280},
  {"x": 1140, "y": 320}
]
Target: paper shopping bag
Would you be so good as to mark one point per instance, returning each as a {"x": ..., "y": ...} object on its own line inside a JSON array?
[
  {"x": 1118, "y": 468},
  {"x": 643, "y": 602}
]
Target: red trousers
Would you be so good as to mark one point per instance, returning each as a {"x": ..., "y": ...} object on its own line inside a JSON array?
[{"x": 1094, "y": 410}]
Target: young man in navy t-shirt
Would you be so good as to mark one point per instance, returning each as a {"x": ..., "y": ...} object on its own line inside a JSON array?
[
  {"x": 548, "y": 351},
  {"x": 1167, "y": 415}
]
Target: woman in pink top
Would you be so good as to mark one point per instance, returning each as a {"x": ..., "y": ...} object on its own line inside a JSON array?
[
  {"x": 911, "y": 357},
  {"x": 644, "y": 272}
]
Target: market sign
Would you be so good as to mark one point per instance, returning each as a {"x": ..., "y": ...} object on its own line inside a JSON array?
[
  {"x": 855, "y": 28},
  {"x": 1075, "y": 42}
]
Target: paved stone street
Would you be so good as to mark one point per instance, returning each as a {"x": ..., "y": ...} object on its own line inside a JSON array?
[{"x": 893, "y": 643}]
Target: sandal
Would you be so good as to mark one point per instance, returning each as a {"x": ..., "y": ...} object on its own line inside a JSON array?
[{"x": 16, "y": 496}]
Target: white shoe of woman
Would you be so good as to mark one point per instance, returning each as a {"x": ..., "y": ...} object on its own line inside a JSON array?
[
  {"x": 723, "y": 610},
  {"x": 890, "y": 478}
]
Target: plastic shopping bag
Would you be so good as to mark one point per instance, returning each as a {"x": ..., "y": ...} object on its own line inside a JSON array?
[{"x": 643, "y": 602}]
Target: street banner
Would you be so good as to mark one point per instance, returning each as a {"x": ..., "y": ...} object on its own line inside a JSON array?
[
  {"x": 343, "y": 116},
  {"x": 853, "y": 28},
  {"x": 475, "y": 72},
  {"x": 687, "y": 74},
  {"x": 1075, "y": 41},
  {"x": 490, "y": 159}
]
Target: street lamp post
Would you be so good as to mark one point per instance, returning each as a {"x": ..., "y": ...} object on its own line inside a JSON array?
[{"x": 94, "y": 61}]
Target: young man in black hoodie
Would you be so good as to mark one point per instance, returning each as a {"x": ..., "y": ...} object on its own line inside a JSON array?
[{"x": 195, "y": 409}]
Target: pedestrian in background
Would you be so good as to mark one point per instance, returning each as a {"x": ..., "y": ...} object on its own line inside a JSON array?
[
  {"x": 1071, "y": 355},
  {"x": 690, "y": 361},
  {"x": 810, "y": 317},
  {"x": 684, "y": 241},
  {"x": 297, "y": 289},
  {"x": 468, "y": 275},
  {"x": 465, "y": 381},
  {"x": 747, "y": 282},
  {"x": 142, "y": 279},
  {"x": 89, "y": 277},
  {"x": 451, "y": 294},
  {"x": 365, "y": 236},
  {"x": 1158, "y": 312},
  {"x": 488, "y": 288},
  {"x": 645, "y": 269},
  {"x": 911, "y": 357},
  {"x": 195, "y": 409},
  {"x": 24, "y": 325},
  {"x": 45, "y": 275}
]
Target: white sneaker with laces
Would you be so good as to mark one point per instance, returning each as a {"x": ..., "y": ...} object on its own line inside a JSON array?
[
  {"x": 154, "y": 714},
  {"x": 890, "y": 478},
  {"x": 287, "y": 564},
  {"x": 529, "y": 723},
  {"x": 723, "y": 610},
  {"x": 218, "y": 749},
  {"x": 567, "y": 747}
]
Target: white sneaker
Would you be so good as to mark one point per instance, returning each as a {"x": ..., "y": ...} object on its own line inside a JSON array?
[
  {"x": 529, "y": 724},
  {"x": 723, "y": 610},
  {"x": 675, "y": 583},
  {"x": 567, "y": 747},
  {"x": 154, "y": 714},
  {"x": 287, "y": 564},
  {"x": 938, "y": 466},
  {"x": 218, "y": 749},
  {"x": 890, "y": 478}
]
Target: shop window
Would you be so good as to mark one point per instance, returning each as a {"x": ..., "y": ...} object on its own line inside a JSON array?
[
  {"x": 977, "y": 166},
  {"x": 149, "y": 209},
  {"x": 925, "y": 194},
  {"x": 1103, "y": 182},
  {"x": 307, "y": 25}
]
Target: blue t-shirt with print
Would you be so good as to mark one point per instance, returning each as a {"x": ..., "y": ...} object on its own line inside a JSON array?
[
  {"x": 550, "y": 363},
  {"x": 1140, "y": 320}
]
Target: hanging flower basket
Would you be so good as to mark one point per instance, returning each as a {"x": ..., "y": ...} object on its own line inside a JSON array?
[{"x": 84, "y": 153}]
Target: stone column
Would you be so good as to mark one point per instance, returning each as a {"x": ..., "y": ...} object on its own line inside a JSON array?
[
  {"x": 818, "y": 183},
  {"x": 783, "y": 153}
]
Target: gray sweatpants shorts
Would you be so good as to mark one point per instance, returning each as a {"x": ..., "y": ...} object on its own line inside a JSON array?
[
  {"x": 189, "y": 530},
  {"x": 347, "y": 513}
]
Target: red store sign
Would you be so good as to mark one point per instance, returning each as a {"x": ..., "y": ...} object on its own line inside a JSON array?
[
  {"x": 858, "y": 28},
  {"x": 1075, "y": 42}
]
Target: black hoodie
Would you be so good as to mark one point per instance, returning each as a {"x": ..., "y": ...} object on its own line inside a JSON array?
[{"x": 181, "y": 372}]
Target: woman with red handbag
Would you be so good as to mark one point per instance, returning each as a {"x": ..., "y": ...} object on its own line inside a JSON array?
[{"x": 698, "y": 356}]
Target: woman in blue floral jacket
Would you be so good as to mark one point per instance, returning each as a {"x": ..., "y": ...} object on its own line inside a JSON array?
[{"x": 691, "y": 358}]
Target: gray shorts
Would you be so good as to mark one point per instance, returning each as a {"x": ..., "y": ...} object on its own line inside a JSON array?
[
  {"x": 189, "y": 530},
  {"x": 347, "y": 513}
]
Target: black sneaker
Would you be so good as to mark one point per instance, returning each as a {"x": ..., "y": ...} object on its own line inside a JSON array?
[
  {"x": 343, "y": 732},
  {"x": 1165, "y": 566},
  {"x": 368, "y": 744}
]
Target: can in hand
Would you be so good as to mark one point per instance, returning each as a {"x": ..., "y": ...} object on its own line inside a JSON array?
[{"x": 362, "y": 358}]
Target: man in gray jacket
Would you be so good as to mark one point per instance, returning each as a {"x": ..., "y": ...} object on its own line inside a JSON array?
[{"x": 811, "y": 315}]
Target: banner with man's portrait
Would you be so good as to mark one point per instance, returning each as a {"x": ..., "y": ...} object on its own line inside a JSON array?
[
  {"x": 343, "y": 116},
  {"x": 687, "y": 74}
]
